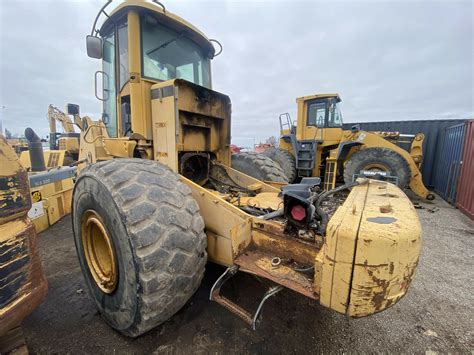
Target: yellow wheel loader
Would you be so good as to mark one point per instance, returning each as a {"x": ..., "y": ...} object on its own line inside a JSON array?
[
  {"x": 317, "y": 145},
  {"x": 157, "y": 198}
]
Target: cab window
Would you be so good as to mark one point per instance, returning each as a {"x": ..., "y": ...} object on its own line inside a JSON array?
[
  {"x": 122, "y": 32},
  {"x": 316, "y": 114},
  {"x": 334, "y": 113},
  {"x": 109, "y": 115},
  {"x": 167, "y": 54}
]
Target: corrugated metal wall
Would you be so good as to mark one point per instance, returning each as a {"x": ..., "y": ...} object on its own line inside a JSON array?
[
  {"x": 449, "y": 162},
  {"x": 465, "y": 195},
  {"x": 433, "y": 131}
]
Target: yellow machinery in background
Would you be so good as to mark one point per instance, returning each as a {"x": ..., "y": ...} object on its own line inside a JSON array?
[
  {"x": 22, "y": 282},
  {"x": 317, "y": 145},
  {"x": 68, "y": 140},
  {"x": 51, "y": 194},
  {"x": 52, "y": 159},
  {"x": 51, "y": 182},
  {"x": 156, "y": 197}
]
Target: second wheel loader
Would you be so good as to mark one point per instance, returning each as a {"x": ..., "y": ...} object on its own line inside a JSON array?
[
  {"x": 317, "y": 145},
  {"x": 156, "y": 197}
]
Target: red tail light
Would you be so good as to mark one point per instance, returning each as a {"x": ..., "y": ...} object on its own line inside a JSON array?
[{"x": 298, "y": 213}]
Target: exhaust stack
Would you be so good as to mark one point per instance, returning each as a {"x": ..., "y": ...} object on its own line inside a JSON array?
[{"x": 35, "y": 148}]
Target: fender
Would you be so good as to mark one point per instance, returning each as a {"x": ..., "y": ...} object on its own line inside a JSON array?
[{"x": 344, "y": 149}]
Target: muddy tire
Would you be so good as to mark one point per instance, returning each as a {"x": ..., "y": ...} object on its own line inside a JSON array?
[
  {"x": 157, "y": 239},
  {"x": 377, "y": 158},
  {"x": 285, "y": 159},
  {"x": 258, "y": 166}
]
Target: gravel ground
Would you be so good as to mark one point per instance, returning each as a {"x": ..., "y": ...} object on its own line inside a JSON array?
[{"x": 436, "y": 315}]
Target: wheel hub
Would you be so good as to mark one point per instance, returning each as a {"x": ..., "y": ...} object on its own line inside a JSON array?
[
  {"x": 376, "y": 167},
  {"x": 99, "y": 252}
]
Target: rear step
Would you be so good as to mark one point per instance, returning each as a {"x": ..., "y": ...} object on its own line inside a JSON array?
[{"x": 233, "y": 307}]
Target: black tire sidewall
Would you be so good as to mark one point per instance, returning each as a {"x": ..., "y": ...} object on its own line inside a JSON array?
[
  {"x": 285, "y": 160},
  {"x": 248, "y": 168},
  {"x": 259, "y": 166},
  {"x": 119, "y": 308},
  {"x": 394, "y": 162}
]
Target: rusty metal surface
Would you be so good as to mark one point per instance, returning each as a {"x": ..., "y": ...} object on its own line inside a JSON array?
[
  {"x": 224, "y": 301},
  {"x": 259, "y": 264},
  {"x": 14, "y": 190},
  {"x": 372, "y": 250},
  {"x": 23, "y": 285},
  {"x": 234, "y": 308},
  {"x": 465, "y": 194},
  {"x": 269, "y": 238},
  {"x": 22, "y": 282}
]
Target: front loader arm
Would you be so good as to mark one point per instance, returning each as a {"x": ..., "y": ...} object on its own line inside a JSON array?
[{"x": 413, "y": 159}]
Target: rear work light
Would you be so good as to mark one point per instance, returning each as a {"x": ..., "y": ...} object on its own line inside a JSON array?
[
  {"x": 298, "y": 213},
  {"x": 298, "y": 210}
]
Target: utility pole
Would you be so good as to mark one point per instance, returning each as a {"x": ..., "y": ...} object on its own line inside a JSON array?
[{"x": 3, "y": 107}]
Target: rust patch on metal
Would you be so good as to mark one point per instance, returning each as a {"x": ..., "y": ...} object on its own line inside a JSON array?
[
  {"x": 14, "y": 194},
  {"x": 21, "y": 271},
  {"x": 386, "y": 209},
  {"x": 258, "y": 263},
  {"x": 391, "y": 268}
]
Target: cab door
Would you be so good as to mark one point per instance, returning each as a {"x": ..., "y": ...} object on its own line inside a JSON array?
[
  {"x": 323, "y": 121},
  {"x": 115, "y": 74}
]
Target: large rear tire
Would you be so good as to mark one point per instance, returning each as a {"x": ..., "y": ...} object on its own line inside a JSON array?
[
  {"x": 378, "y": 159},
  {"x": 140, "y": 241},
  {"x": 258, "y": 166},
  {"x": 286, "y": 161}
]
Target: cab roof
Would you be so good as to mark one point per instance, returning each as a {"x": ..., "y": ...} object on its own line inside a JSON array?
[
  {"x": 167, "y": 18},
  {"x": 319, "y": 96}
]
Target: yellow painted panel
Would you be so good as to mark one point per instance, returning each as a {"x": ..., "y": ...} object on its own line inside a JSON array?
[
  {"x": 371, "y": 251},
  {"x": 388, "y": 248},
  {"x": 164, "y": 130},
  {"x": 337, "y": 254},
  {"x": 223, "y": 221}
]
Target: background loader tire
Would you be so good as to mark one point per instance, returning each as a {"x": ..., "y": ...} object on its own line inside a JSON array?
[
  {"x": 157, "y": 235},
  {"x": 258, "y": 166},
  {"x": 285, "y": 159},
  {"x": 384, "y": 159}
]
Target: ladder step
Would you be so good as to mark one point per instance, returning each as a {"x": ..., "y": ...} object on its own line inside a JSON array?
[{"x": 235, "y": 308}]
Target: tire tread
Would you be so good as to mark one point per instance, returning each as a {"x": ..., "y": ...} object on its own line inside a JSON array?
[{"x": 153, "y": 256}]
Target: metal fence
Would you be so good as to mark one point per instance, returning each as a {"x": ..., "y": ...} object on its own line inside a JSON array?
[
  {"x": 449, "y": 162},
  {"x": 465, "y": 194},
  {"x": 433, "y": 131}
]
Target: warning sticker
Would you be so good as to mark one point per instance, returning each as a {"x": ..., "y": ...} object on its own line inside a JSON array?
[
  {"x": 36, "y": 196},
  {"x": 36, "y": 210}
]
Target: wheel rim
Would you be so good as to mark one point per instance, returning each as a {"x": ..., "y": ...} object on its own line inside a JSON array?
[
  {"x": 99, "y": 252},
  {"x": 376, "y": 167}
]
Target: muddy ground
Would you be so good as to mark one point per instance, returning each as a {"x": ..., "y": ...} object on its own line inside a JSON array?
[{"x": 437, "y": 314}]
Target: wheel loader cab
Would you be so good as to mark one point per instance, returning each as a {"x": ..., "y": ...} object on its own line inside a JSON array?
[
  {"x": 319, "y": 118},
  {"x": 147, "y": 55},
  {"x": 143, "y": 44}
]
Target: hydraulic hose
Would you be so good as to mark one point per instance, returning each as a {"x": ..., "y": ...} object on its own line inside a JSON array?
[
  {"x": 320, "y": 212},
  {"x": 271, "y": 215}
]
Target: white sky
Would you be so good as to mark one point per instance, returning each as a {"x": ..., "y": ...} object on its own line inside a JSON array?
[{"x": 389, "y": 60}]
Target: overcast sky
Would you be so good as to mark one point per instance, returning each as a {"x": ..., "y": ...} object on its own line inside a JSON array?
[{"x": 389, "y": 60}]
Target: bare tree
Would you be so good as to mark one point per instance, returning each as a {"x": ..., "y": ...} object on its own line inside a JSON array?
[{"x": 272, "y": 141}]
